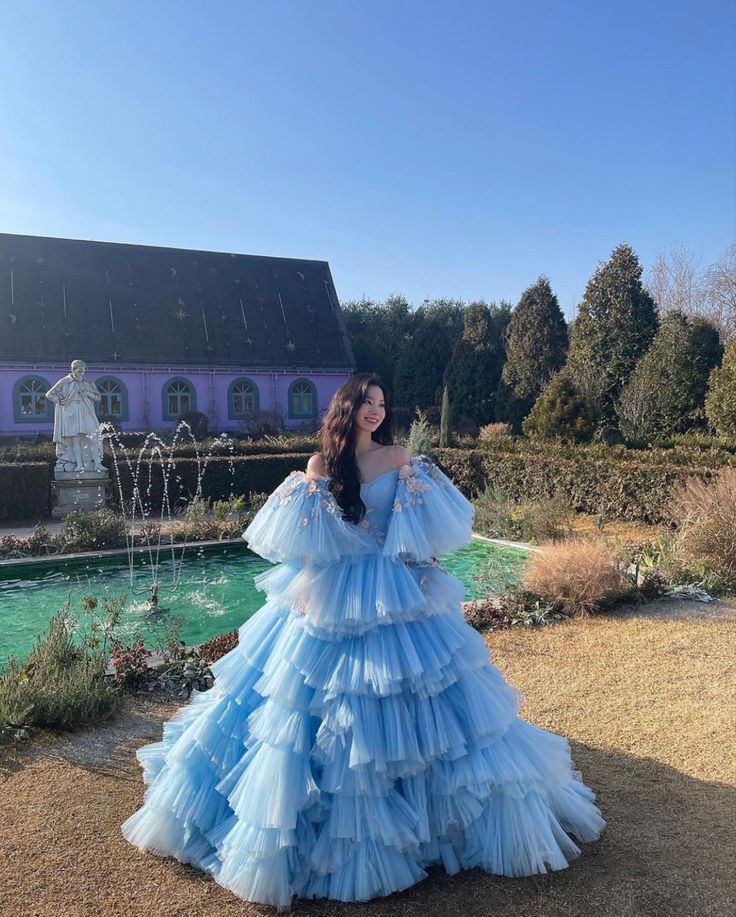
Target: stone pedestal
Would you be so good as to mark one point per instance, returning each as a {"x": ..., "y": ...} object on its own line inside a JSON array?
[{"x": 79, "y": 490}]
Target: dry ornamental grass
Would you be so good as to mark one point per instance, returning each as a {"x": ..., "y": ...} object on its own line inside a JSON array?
[
  {"x": 706, "y": 519},
  {"x": 579, "y": 574}
]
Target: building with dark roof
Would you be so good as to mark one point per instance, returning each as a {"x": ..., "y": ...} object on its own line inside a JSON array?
[{"x": 164, "y": 331}]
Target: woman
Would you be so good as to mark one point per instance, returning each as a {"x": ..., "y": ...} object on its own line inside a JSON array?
[{"x": 358, "y": 733}]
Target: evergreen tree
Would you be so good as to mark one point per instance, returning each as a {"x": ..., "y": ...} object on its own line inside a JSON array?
[
  {"x": 421, "y": 365},
  {"x": 379, "y": 333},
  {"x": 474, "y": 372},
  {"x": 561, "y": 413},
  {"x": 720, "y": 400},
  {"x": 666, "y": 390},
  {"x": 536, "y": 343},
  {"x": 614, "y": 327},
  {"x": 445, "y": 420}
]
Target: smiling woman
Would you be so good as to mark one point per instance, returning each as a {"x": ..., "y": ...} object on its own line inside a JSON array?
[{"x": 358, "y": 733}]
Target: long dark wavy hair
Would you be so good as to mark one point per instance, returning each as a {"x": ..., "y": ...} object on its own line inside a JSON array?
[{"x": 338, "y": 436}]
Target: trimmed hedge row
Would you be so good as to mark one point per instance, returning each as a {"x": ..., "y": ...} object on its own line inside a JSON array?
[
  {"x": 610, "y": 484},
  {"x": 46, "y": 452},
  {"x": 222, "y": 477},
  {"x": 615, "y": 488},
  {"x": 25, "y": 490}
]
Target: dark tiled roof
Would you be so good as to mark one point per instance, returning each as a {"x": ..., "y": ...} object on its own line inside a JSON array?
[{"x": 108, "y": 302}]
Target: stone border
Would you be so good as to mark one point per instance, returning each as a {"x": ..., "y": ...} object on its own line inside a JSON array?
[{"x": 142, "y": 549}]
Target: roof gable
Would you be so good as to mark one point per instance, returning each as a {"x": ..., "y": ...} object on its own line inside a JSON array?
[{"x": 110, "y": 302}]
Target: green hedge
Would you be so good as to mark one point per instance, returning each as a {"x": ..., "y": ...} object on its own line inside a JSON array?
[
  {"x": 25, "y": 490},
  {"x": 615, "y": 487},
  {"x": 239, "y": 474},
  {"x": 616, "y": 483}
]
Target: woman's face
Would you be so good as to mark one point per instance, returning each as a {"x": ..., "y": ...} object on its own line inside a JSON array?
[{"x": 369, "y": 415}]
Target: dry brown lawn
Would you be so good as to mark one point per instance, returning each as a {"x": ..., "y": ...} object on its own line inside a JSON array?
[{"x": 647, "y": 702}]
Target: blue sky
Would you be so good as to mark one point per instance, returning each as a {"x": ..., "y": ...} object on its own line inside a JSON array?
[{"x": 427, "y": 148}]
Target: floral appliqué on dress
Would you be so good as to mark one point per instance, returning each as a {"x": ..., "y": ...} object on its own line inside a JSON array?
[
  {"x": 411, "y": 487},
  {"x": 327, "y": 501}
]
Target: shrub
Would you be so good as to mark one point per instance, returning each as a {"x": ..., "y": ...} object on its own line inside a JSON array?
[
  {"x": 130, "y": 663},
  {"x": 184, "y": 673},
  {"x": 484, "y": 614},
  {"x": 197, "y": 422},
  {"x": 578, "y": 576},
  {"x": 263, "y": 423},
  {"x": 720, "y": 401},
  {"x": 706, "y": 522},
  {"x": 216, "y": 647},
  {"x": 547, "y": 519},
  {"x": 655, "y": 565},
  {"x": 60, "y": 686},
  {"x": 420, "y": 437},
  {"x": 515, "y": 607},
  {"x": 25, "y": 490},
  {"x": 520, "y": 606},
  {"x": 201, "y": 523},
  {"x": 497, "y": 516},
  {"x": 494, "y": 431},
  {"x": 97, "y": 529},
  {"x": 561, "y": 413}
]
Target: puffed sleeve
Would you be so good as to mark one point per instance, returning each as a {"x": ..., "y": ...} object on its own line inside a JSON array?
[
  {"x": 430, "y": 516},
  {"x": 302, "y": 520}
]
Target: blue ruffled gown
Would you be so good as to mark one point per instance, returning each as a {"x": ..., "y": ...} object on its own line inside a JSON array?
[{"x": 358, "y": 732}]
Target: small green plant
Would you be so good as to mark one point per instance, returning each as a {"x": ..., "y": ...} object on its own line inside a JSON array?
[
  {"x": 199, "y": 522},
  {"x": 526, "y": 608},
  {"x": 256, "y": 501},
  {"x": 185, "y": 673},
  {"x": 234, "y": 507},
  {"x": 420, "y": 436}
]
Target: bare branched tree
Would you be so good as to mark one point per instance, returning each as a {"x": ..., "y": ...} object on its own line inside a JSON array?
[
  {"x": 720, "y": 295},
  {"x": 678, "y": 281}
]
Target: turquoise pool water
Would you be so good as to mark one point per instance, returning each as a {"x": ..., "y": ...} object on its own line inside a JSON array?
[{"x": 214, "y": 592}]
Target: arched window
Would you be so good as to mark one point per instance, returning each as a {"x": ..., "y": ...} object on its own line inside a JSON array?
[
  {"x": 29, "y": 400},
  {"x": 179, "y": 398},
  {"x": 242, "y": 399},
  {"x": 114, "y": 402},
  {"x": 302, "y": 399}
]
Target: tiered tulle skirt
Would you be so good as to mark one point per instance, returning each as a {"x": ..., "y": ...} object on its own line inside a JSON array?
[{"x": 344, "y": 749}]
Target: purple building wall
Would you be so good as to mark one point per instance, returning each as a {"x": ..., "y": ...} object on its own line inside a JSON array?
[{"x": 144, "y": 394}]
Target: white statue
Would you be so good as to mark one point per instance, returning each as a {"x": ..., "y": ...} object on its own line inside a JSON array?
[{"x": 76, "y": 428}]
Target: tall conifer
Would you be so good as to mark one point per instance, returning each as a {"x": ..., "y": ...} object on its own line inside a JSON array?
[{"x": 614, "y": 327}]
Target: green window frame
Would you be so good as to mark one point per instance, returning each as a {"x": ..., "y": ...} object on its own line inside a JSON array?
[
  {"x": 179, "y": 397},
  {"x": 29, "y": 392},
  {"x": 104, "y": 385},
  {"x": 302, "y": 399},
  {"x": 240, "y": 393}
]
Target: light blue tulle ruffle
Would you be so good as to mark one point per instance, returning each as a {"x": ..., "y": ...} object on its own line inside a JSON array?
[
  {"x": 430, "y": 516},
  {"x": 301, "y": 520}
]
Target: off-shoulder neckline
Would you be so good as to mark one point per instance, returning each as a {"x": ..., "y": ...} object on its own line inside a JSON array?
[{"x": 321, "y": 477}]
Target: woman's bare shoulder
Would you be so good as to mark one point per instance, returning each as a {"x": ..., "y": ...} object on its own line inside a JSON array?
[
  {"x": 316, "y": 466},
  {"x": 402, "y": 455}
]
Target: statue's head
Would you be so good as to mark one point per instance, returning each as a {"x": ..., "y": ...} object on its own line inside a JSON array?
[{"x": 78, "y": 369}]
